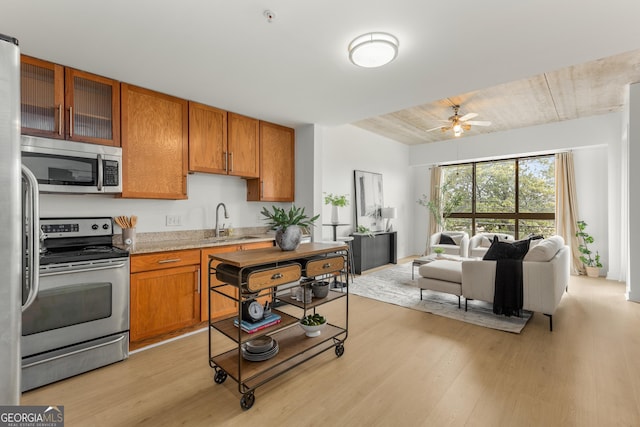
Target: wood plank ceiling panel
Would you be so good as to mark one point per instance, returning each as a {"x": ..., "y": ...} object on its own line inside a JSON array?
[{"x": 596, "y": 87}]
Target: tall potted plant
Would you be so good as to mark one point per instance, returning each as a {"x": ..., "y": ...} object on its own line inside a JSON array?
[
  {"x": 335, "y": 201},
  {"x": 591, "y": 262},
  {"x": 288, "y": 225},
  {"x": 443, "y": 205}
]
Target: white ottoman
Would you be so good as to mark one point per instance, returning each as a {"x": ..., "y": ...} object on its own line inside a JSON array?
[{"x": 441, "y": 276}]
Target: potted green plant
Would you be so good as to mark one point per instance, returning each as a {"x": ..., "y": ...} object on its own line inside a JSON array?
[
  {"x": 288, "y": 225},
  {"x": 591, "y": 262},
  {"x": 443, "y": 205},
  {"x": 335, "y": 201},
  {"x": 439, "y": 252}
]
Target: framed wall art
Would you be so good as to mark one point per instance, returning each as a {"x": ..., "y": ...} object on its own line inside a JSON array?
[{"x": 369, "y": 200}]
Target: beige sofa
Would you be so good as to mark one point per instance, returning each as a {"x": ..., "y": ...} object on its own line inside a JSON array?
[{"x": 545, "y": 271}]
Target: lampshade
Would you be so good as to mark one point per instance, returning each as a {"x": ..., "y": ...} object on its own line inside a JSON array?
[
  {"x": 373, "y": 50},
  {"x": 388, "y": 212}
]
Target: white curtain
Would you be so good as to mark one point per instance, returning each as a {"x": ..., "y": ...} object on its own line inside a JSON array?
[
  {"x": 436, "y": 177},
  {"x": 567, "y": 208}
]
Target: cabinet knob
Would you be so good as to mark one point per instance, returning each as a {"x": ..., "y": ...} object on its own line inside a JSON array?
[{"x": 276, "y": 276}]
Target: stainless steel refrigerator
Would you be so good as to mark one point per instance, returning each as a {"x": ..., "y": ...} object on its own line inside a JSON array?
[
  {"x": 11, "y": 232},
  {"x": 19, "y": 226}
]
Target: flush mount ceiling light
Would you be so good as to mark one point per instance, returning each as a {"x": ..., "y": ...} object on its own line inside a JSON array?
[{"x": 373, "y": 50}]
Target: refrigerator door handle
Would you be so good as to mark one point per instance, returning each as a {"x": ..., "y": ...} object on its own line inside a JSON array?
[{"x": 33, "y": 235}]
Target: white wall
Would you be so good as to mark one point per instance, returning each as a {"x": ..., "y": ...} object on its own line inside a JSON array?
[
  {"x": 348, "y": 148},
  {"x": 633, "y": 272},
  {"x": 588, "y": 139},
  {"x": 197, "y": 212}
]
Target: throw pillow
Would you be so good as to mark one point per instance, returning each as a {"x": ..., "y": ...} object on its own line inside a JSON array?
[
  {"x": 485, "y": 242},
  {"x": 507, "y": 250},
  {"x": 445, "y": 239},
  {"x": 545, "y": 249}
]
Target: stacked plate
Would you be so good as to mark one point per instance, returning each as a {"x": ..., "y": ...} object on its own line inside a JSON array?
[{"x": 260, "y": 349}]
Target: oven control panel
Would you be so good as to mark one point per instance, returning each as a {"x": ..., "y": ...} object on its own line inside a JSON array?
[{"x": 76, "y": 227}]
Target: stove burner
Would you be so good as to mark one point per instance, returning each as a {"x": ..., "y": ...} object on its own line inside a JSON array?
[
  {"x": 87, "y": 253},
  {"x": 98, "y": 249}
]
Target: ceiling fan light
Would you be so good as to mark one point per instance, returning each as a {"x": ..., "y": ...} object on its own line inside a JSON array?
[
  {"x": 373, "y": 50},
  {"x": 457, "y": 128}
]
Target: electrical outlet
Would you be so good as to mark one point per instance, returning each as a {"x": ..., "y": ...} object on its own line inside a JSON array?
[{"x": 174, "y": 220}]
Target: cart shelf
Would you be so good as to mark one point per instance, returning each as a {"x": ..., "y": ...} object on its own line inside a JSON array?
[{"x": 265, "y": 273}]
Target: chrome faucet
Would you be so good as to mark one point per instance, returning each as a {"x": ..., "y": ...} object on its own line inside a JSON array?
[{"x": 225, "y": 215}]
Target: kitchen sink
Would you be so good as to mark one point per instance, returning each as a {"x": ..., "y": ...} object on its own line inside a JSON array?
[{"x": 231, "y": 239}]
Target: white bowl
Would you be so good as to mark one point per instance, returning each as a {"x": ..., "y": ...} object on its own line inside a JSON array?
[{"x": 312, "y": 331}]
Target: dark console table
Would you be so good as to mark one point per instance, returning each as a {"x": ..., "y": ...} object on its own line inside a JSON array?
[{"x": 374, "y": 250}]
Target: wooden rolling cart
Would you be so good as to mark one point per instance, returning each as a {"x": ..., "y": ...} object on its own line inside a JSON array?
[{"x": 270, "y": 274}]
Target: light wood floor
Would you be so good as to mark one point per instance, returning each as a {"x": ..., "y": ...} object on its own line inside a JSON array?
[{"x": 400, "y": 367}]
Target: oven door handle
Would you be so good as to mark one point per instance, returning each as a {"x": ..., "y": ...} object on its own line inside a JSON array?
[
  {"x": 33, "y": 235},
  {"x": 83, "y": 270},
  {"x": 71, "y": 353}
]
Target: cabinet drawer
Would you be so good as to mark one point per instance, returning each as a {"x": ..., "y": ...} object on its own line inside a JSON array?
[
  {"x": 256, "y": 279},
  {"x": 321, "y": 266},
  {"x": 160, "y": 260}
]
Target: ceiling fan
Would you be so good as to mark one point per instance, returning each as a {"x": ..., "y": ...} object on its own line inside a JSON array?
[{"x": 459, "y": 124}]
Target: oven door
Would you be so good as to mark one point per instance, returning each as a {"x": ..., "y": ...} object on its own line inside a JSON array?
[{"x": 77, "y": 302}]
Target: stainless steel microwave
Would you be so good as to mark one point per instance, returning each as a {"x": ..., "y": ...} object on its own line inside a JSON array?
[{"x": 73, "y": 167}]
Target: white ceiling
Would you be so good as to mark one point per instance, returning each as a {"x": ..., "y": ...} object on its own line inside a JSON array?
[{"x": 295, "y": 70}]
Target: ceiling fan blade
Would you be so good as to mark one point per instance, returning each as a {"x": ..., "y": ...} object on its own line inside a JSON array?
[
  {"x": 480, "y": 123},
  {"x": 432, "y": 129},
  {"x": 467, "y": 117}
]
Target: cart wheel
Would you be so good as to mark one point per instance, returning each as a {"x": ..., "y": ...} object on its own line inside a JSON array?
[
  {"x": 220, "y": 376},
  {"x": 339, "y": 350},
  {"x": 246, "y": 402}
]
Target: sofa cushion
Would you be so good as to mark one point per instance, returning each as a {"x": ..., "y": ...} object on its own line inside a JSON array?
[
  {"x": 507, "y": 250},
  {"x": 442, "y": 269},
  {"x": 485, "y": 242},
  {"x": 545, "y": 250},
  {"x": 445, "y": 239}
]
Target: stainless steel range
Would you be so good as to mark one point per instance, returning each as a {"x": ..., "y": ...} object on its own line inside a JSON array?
[{"x": 79, "y": 320}]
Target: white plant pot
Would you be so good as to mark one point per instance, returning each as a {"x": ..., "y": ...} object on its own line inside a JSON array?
[{"x": 334, "y": 215}]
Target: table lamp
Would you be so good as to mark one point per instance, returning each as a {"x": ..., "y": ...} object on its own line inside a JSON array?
[{"x": 388, "y": 214}]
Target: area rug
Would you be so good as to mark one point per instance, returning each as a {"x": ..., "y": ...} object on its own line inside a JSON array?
[{"x": 394, "y": 285}]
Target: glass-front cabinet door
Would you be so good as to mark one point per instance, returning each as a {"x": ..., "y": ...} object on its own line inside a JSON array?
[
  {"x": 42, "y": 98},
  {"x": 93, "y": 107},
  {"x": 61, "y": 102}
]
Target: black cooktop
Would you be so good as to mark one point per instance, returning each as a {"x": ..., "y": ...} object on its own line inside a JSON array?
[{"x": 88, "y": 253}]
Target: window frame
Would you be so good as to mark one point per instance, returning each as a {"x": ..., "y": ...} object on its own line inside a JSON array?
[{"x": 516, "y": 216}]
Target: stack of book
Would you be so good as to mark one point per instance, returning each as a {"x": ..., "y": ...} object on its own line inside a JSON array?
[{"x": 251, "y": 327}]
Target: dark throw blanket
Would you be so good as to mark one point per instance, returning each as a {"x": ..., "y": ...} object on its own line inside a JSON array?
[{"x": 507, "y": 296}]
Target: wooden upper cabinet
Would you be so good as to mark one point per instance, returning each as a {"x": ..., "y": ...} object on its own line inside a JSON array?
[
  {"x": 244, "y": 146},
  {"x": 207, "y": 139},
  {"x": 155, "y": 138},
  {"x": 222, "y": 143},
  {"x": 63, "y": 103},
  {"x": 277, "y": 165}
]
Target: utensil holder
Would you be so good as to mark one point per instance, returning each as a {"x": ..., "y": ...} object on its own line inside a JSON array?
[{"x": 129, "y": 237}]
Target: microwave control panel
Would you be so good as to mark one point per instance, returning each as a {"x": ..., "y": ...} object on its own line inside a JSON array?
[{"x": 111, "y": 173}]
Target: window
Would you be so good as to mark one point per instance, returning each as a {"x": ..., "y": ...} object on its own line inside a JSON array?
[{"x": 515, "y": 196}]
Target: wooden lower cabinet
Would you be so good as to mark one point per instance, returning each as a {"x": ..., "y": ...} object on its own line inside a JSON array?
[
  {"x": 165, "y": 293},
  {"x": 220, "y": 305}
]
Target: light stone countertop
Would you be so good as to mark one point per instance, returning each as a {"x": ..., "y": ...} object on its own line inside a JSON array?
[{"x": 192, "y": 239}]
